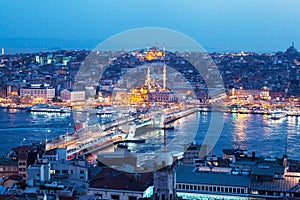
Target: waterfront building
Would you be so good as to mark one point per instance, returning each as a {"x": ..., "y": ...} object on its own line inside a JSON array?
[
  {"x": 192, "y": 183},
  {"x": 246, "y": 177},
  {"x": 151, "y": 91},
  {"x": 44, "y": 91},
  {"x": 90, "y": 92},
  {"x": 71, "y": 95}
]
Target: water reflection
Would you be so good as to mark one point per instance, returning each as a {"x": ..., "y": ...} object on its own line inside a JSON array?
[
  {"x": 252, "y": 132},
  {"x": 239, "y": 136}
]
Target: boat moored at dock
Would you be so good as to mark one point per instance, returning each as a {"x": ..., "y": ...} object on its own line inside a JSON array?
[{"x": 49, "y": 108}]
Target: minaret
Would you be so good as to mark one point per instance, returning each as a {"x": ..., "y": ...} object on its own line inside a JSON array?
[
  {"x": 148, "y": 78},
  {"x": 2, "y": 52},
  {"x": 164, "y": 76},
  {"x": 164, "y": 70}
]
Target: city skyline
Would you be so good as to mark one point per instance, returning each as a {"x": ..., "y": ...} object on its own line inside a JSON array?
[{"x": 149, "y": 100}]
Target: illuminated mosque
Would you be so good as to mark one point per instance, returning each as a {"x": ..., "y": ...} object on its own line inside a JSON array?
[{"x": 151, "y": 91}]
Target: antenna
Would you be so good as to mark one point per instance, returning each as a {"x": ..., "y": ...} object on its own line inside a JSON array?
[{"x": 164, "y": 70}]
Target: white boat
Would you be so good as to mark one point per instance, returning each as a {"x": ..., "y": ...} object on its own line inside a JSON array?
[
  {"x": 277, "y": 114},
  {"x": 49, "y": 108}
]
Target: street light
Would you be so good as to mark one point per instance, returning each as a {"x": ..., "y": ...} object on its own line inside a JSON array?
[
  {"x": 22, "y": 141},
  {"x": 67, "y": 131},
  {"x": 47, "y": 134}
]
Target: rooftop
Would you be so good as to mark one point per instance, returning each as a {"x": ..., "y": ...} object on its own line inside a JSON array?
[
  {"x": 51, "y": 152},
  {"x": 287, "y": 184},
  {"x": 23, "y": 149},
  {"x": 8, "y": 162},
  {"x": 187, "y": 174},
  {"x": 109, "y": 178},
  {"x": 266, "y": 170}
]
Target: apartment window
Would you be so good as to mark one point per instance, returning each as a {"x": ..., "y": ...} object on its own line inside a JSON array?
[
  {"x": 81, "y": 171},
  {"x": 234, "y": 190},
  {"x": 238, "y": 190},
  {"x": 57, "y": 171},
  {"x": 179, "y": 186},
  {"x": 210, "y": 188},
  {"x": 226, "y": 190},
  {"x": 242, "y": 191},
  {"x": 195, "y": 187},
  {"x": 230, "y": 190},
  {"x": 202, "y": 188},
  {"x": 214, "y": 189},
  {"x": 71, "y": 171},
  {"x": 183, "y": 187},
  {"x": 222, "y": 189},
  {"x": 64, "y": 171},
  {"x": 187, "y": 187},
  {"x": 81, "y": 177},
  {"x": 198, "y": 187}
]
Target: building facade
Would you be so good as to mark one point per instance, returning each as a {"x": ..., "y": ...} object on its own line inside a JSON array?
[
  {"x": 70, "y": 95},
  {"x": 38, "y": 91},
  {"x": 8, "y": 167},
  {"x": 112, "y": 184},
  {"x": 38, "y": 173}
]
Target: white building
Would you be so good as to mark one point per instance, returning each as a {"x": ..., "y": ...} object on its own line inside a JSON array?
[
  {"x": 90, "y": 92},
  {"x": 55, "y": 154},
  {"x": 70, "y": 95},
  {"x": 76, "y": 169},
  {"x": 38, "y": 90},
  {"x": 38, "y": 173}
]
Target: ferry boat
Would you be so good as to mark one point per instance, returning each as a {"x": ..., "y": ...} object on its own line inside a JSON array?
[
  {"x": 49, "y": 108},
  {"x": 277, "y": 114}
]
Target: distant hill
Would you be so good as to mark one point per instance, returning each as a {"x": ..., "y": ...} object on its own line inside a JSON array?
[{"x": 47, "y": 43}]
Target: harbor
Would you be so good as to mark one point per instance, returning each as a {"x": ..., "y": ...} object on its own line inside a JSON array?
[{"x": 98, "y": 137}]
